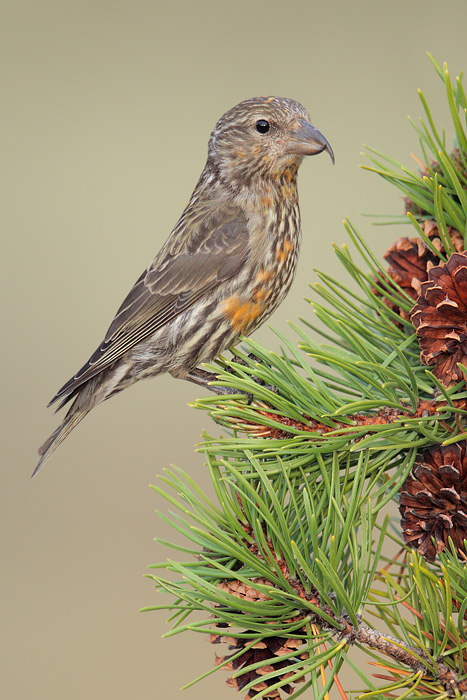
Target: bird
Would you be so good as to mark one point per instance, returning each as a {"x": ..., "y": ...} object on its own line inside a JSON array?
[{"x": 225, "y": 267}]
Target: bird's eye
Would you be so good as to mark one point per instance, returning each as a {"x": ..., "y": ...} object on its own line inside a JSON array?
[{"x": 262, "y": 126}]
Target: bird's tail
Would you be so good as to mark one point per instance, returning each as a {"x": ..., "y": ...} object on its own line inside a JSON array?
[{"x": 71, "y": 420}]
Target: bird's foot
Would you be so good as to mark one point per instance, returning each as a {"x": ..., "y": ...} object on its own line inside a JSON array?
[
  {"x": 203, "y": 378},
  {"x": 260, "y": 382},
  {"x": 254, "y": 358}
]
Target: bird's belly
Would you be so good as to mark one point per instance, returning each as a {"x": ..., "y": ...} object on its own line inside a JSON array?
[
  {"x": 214, "y": 323},
  {"x": 250, "y": 305}
]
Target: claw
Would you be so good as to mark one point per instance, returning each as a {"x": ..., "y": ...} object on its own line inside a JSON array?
[{"x": 203, "y": 378}]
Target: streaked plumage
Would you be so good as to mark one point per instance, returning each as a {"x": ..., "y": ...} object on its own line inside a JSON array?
[{"x": 225, "y": 267}]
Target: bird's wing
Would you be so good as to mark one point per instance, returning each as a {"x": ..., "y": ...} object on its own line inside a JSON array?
[{"x": 207, "y": 247}]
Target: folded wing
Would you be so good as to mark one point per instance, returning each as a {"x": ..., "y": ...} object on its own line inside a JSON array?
[{"x": 207, "y": 247}]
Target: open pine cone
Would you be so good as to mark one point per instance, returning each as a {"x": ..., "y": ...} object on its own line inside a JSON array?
[
  {"x": 410, "y": 260},
  {"x": 267, "y": 649},
  {"x": 433, "y": 500},
  {"x": 440, "y": 319}
]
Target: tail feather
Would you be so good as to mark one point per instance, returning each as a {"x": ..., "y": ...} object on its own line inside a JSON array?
[{"x": 71, "y": 420}]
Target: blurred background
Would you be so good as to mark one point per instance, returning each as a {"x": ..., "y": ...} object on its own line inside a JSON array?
[{"x": 106, "y": 112}]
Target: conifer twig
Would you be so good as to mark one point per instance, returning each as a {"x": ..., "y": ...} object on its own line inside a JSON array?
[
  {"x": 417, "y": 659},
  {"x": 384, "y": 416}
]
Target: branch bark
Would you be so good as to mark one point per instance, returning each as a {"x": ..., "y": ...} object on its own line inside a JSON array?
[
  {"x": 413, "y": 657},
  {"x": 384, "y": 416}
]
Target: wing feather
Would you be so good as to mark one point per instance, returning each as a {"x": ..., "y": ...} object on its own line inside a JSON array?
[{"x": 205, "y": 249}]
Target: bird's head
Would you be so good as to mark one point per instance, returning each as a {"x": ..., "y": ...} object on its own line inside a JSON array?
[{"x": 263, "y": 137}]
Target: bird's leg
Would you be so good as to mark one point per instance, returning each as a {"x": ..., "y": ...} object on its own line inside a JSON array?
[
  {"x": 240, "y": 361},
  {"x": 251, "y": 356},
  {"x": 204, "y": 378},
  {"x": 260, "y": 382}
]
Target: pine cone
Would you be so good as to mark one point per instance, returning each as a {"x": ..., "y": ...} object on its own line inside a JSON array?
[
  {"x": 433, "y": 500},
  {"x": 440, "y": 319},
  {"x": 268, "y": 649},
  {"x": 410, "y": 261}
]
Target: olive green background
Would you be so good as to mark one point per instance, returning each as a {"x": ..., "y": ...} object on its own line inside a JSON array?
[{"x": 106, "y": 111}]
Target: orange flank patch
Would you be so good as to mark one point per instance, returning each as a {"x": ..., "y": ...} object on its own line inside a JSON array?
[
  {"x": 243, "y": 313},
  {"x": 282, "y": 252},
  {"x": 264, "y": 276},
  {"x": 260, "y": 294}
]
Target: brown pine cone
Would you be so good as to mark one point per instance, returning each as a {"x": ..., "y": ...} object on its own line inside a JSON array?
[
  {"x": 433, "y": 500},
  {"x": 440, "y": 319},
  {"x": 410, "y": 260},
  {"x": 267, "y": 649}
]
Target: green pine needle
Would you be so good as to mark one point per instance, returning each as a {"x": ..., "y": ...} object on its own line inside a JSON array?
[{"x": 318, "y": 440}]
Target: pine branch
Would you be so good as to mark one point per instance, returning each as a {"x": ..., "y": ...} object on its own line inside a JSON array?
[
  {"x": 416, "y": 659},
  {"x": 284, "y": 564},
  {"x": 342, "y": 627},
  {"x": 382, "y": 417}
]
